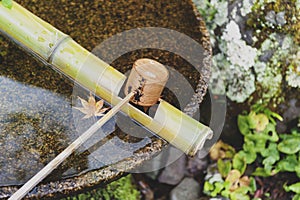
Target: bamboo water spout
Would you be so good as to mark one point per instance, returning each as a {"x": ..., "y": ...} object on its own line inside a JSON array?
[
  {"x": 156, "y": 68},
  {"x": 65, "y": 55}
]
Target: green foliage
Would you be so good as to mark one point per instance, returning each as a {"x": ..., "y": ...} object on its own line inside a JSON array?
[
  {"x": 271, "y": 152},
  {"x": 7, "y": 3},
  {"x": 222, "y": 150},
  {"x": 122, "y": 189},
  {"x": 224, "y": 167},
  {"x": 239, "y": 162},
  {"x": 294, "y": 188},
  {"x": 290, "y": 143}
]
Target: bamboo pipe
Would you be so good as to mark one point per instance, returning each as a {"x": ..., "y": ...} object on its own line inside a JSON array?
[
  {"x": 66, "y": 56},
  {"x": 153, "y": 79}
]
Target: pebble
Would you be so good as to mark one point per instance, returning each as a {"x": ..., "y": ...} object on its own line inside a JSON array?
[
  {"x": 188, "y": 189},
  {"x": 174, "y": 172}
]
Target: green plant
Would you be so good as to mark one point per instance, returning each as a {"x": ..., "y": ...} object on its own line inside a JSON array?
[
  {"x": 121, "y": 189},
  {"x": 228, "y": 179},
  {"x": 271, "y": 152}
]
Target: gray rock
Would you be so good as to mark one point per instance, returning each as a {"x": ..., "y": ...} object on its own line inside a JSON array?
[
  {"x": 174, "y": 173},
  {"x": 280, "y": 18},
  {"x": 188, "y": 189},
  {"x": 271, "y": 17},
  {"x": 276, "y": 19},
  {"x": 196, "y": 164}
]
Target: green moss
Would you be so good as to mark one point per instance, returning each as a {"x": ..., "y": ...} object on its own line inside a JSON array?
[
  {"x": 3, "y": 51},
  {"x": 289, "y": 8},
  {"x": 121, "y": 189}
]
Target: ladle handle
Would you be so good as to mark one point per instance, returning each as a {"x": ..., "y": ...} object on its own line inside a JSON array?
[{"x": 68, "y": 151}]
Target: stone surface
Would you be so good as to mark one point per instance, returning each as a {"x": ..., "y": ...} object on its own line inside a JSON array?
[
  {"x": 196, "y": 165},
  {"x": 173, "y": 173},
  {"x": 188, "y": 189}
]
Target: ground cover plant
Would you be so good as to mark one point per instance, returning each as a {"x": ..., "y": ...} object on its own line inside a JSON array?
[{"x": 264, "y": 153}]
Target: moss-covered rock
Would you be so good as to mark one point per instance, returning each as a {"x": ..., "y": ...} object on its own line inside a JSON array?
[{"x": 276, "y": 16}]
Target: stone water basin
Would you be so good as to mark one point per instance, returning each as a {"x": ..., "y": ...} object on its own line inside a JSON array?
[{"x": 37, "y": 118}]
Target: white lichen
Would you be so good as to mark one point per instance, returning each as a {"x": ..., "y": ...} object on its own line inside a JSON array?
[
  {"x": 298, "y": 4},
  {"x": 241, "y": 54},
  {"x": 246, "y": 8},
  {"x": 287, "y": 42},
  {"x": 238, "y": 52},
  {"x": 241, "y": 84},
  {"x": 260, "y": 69},
  {"x": 215, "y": 12},
  {"x": 271, "y": 85},
  {"x": 239, "y": 68},
  {"x": 231, "y": 32},
  {"x": 218, "y": 74},
  {"x": 293, "y": 72},
  {"x": 221, "y": 16},
  {"x": 293, "y": 77}
]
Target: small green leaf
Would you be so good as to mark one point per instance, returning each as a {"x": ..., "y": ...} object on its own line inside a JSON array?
[
  {"x": 271, "y": 155},
  {"x": 296, "y": 197},
  {"x": 233, "y": 176},
  {"x": 226, "y": 192},
  {"x": 218, "y": 188},
  {"x": 243, "y": 124},
  {"x": 7, "y": 3},
  {"x": 261, "y": 172},
  {"x": 208, "y": 187},
  {"x": 294, "y": 135},
  {"x": 252, "y": 185},
  {"x": 288, "y": 164},
  {"x": 294, "y": 188},
  {"x": 270, "y": 133},
  {"x": 252, "y": 120},
  {"x": 271, "y": 151},
  {"x": 240, "y": 194},
  {"x": 224, "y": 167},
  {"x": 249, "y": 155},
  {"x": 289, "y": 146},
  {"x": 239, "y": 163},
  {"x": 258, "y": 121},
  {"x": 295, "y": 131},
  {"x": 272, "y": 115},
  {"x": 297, "y": 169}
]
